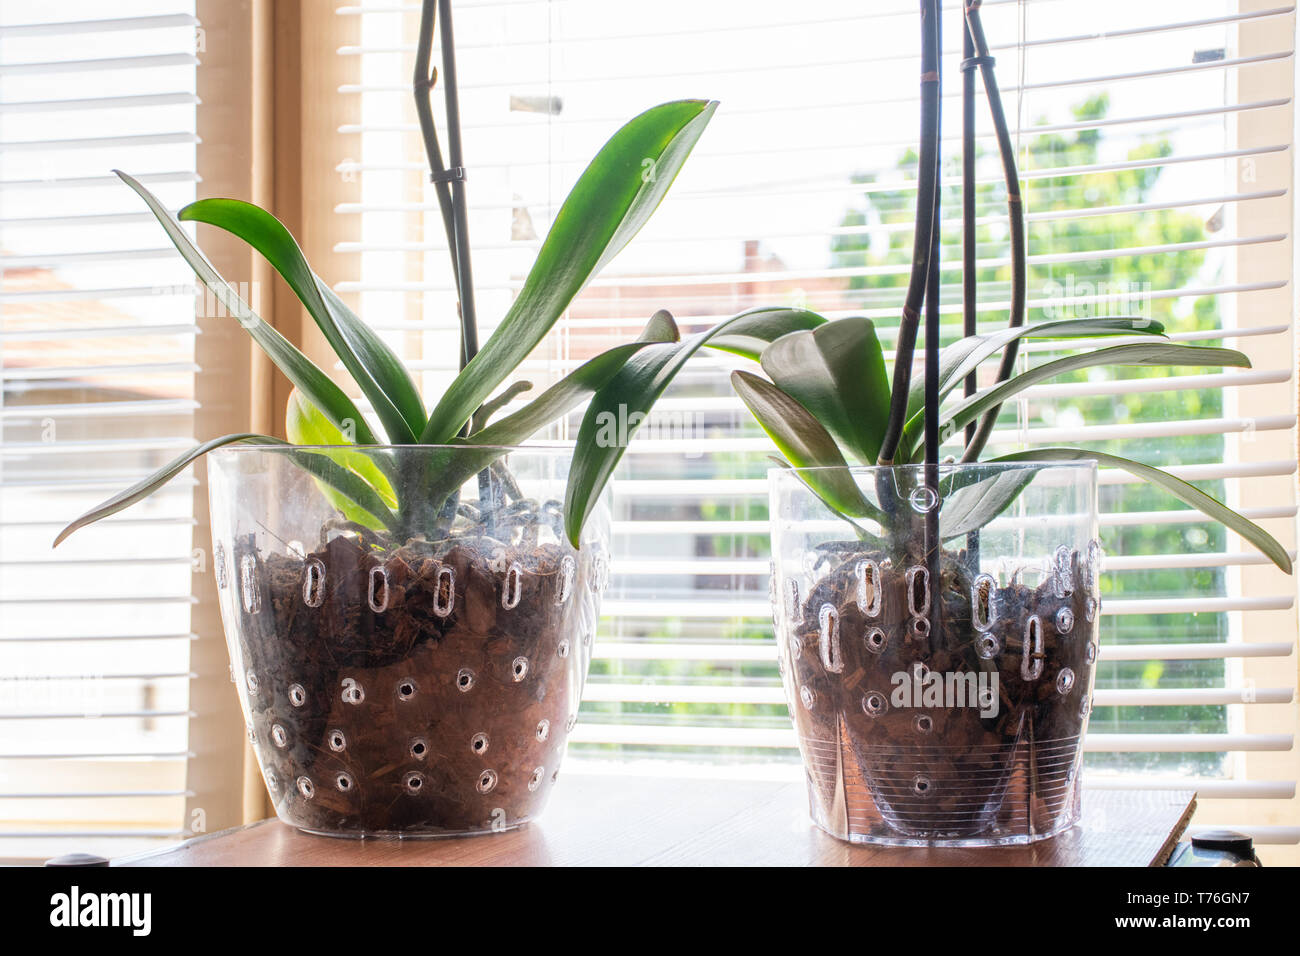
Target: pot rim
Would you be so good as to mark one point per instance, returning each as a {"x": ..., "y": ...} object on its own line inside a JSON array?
[
  {"x": 541, "y": 446},
  {"x": 950, "y": 467}
]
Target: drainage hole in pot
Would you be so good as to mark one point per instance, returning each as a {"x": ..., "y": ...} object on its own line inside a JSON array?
[
  {"x": 519, "y": 669},
  {"x": 406, "y": 689},
  {"x": 807, "y": 697},
  {"x": 543, "y": 729},
  {"x": 1092, "y": 652},
  {"x": 344, "y": 782},
  {"x": 413, "y": 781},
  {"x": 297, "y": 695},
  {"x": 874, "y": 704},
  {"x": 464, "y": 679},
  {"x": 1065, "y": 681},
  {"x": 252, "y": 682},
  {"x": 272, "y": 781},
  {"x": 876, "y": 640},
  {"x": 278, "y": 736},
  {"x": 923, "y": 723},
  {"x": 353, "y": 693},
  {"x": 419, "y": 748},
  {"x": 923, "y": 499},
  {"x": 570, "y": 723},
  {"x": 338, "y": 743},
  {"x": 487, "y": 781},
  {"x": 920, "y": 626},
  {"x": 479, "y": 743},
  {"x": 535, "y": 780},
  {"x": 1064, "y": 621},
  {"x": 987, "y": 646},
  {"x": 306, "y": 787},
  {"x": 919, "y": 671},
  {"x": 921, "y": 785},
  {"x": 562, "y": 649}
]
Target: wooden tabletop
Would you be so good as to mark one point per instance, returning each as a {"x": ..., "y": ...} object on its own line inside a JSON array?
[{"x": 603, "y": 820}]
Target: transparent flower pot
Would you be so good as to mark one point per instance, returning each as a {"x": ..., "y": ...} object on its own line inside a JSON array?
[
  {"x": 940, "y": 698},
  {"x": 413, "y": 680}
]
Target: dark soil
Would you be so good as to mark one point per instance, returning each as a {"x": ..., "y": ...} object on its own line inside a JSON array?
[
  {"x": 411, "y": 718},
  {"x": 942, "y": 771}
]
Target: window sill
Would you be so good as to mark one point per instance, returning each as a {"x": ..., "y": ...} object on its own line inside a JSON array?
[{"x": 608, "y": 820}]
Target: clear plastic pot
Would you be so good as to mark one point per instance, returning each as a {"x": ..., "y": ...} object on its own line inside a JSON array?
[
  {"x": 940, "y": 695},
  {"x": 415, "y": 673}
]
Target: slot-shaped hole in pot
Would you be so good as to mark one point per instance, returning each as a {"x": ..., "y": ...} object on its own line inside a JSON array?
[
  {"x": 1031, "y": 651},
  {"x": 444, "y": 591},
  {"x": 981, "y": 602},
  {"x": 829, "y": 639},
  {"x": 313, "y": 583},
  {"x": 513, "y": 589},
  {"x": 918, "y": 591},
  {"x": 870, "y": 594},
  {"x": 568, "y": 568},
  {"x": 250, "y": 592},
  {"x": 377, "y": 593}
]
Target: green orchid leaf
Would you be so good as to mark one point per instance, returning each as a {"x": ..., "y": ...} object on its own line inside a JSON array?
[
  {"x": 1166, "y": 354},
  {"x": 305, "y": 425},
  {"x": 453, "y": 468},
  {"x": 449, "y": 468},
  {"x": 619, "y": 408},
  {"x": 768, "y": 326},
  {"x": 970, "y": 506},
  {"x": 837, "y": 372},
  {"x": 805, "y": 444},
  {"x": 610, "y": 203},
  {"x": 800, "y": 437},
  {"x": 566, "y": 394},
  {"x": 355, "y": 497},
  {"x": 1187, "y": 493},
  {"x": 372, "y": 364},
  {"x": 145, "y": 487},
  {"x": 300, "y": 370},
  {"x": 966, "y": 355}
]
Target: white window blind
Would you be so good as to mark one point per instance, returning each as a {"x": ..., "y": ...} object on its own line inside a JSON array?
[
  {"x": 1155, "y": 145},
  {"x": 97, "y": 364}
]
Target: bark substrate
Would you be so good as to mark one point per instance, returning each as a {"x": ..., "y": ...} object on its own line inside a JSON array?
[
  {"x": 404, "y": 721},
  {"x": 946, "y": 772}
]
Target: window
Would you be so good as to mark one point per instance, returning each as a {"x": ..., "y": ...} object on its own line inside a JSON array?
[
  {"x": 97, "y": 366},
  {"x": 1157, "y": 163}
]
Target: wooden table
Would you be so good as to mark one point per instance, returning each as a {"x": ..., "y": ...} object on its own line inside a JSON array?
[{"x": 601, "y": 820}]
